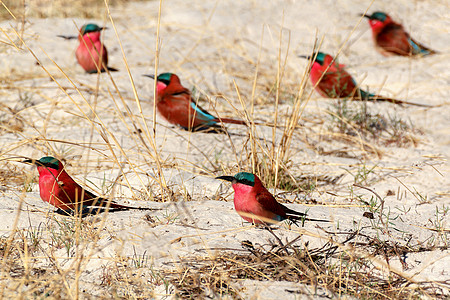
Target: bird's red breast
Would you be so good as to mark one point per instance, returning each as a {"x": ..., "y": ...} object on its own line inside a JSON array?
[
  {"x": 256, "y": 200},
  {"x": 91, "y": 52},
  {"x": 58, "y": 188}
]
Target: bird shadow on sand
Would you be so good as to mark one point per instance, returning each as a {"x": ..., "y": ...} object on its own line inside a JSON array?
[{"x": 92, "y": 211}]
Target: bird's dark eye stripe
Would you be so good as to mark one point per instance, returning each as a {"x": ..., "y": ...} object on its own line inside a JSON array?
[
  {"x": 166, "y": 82},
  {"x": 246, "y": 182},
  {"x": 51, "y": 165}
]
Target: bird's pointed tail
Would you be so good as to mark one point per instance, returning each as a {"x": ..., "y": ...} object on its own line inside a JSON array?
[
  {"x": 372, "y": 97},
  {"x": 419, "y": 49},
  {"x": 95, "y": 210},
  {"x": 102, "y": 202},
  {"x": 400, "y": 102},
  {"x": 298, "y": 216},
  {"x": 304, "y": 218},
  {"x": 230, "y": 121}
]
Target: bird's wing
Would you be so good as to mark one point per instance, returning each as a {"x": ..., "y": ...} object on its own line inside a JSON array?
[
  {"x": 90, "y": 199},
  {"x": 337, "y": 83},
  {"x": 269, "y": 204},
  {"x": 419, "y": 48},
  {"x": 76, "y": 194},
  {"x": 178, "y": 108},
  {"x": 202, "y": 113},
  {"x": 395, "y": 39}
]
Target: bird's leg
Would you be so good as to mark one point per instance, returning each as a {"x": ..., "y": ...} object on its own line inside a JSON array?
[{"x": 277, "y": 238}]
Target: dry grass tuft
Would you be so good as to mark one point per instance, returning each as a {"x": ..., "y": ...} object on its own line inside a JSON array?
[
  {"x": 300, "y": 184},
  {"x": 12, "y": 175},
  {"x": 347, "y": 268},
  {"x": 10, "y": 119},
  {"x": 354, "y": 119}
]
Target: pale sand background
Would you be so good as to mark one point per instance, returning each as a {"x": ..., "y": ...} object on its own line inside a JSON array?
[{"x": 210, "y": 45}]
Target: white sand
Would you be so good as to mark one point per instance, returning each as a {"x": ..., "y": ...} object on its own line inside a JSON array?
[{"x": 209, "y": 45}]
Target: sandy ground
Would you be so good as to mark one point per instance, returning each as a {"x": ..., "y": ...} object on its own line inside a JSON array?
[{"x": 211, "y": 45}]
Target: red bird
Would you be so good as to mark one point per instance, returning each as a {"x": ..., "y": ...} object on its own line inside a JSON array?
[
  {"x": 60, "y": 190},
  {"x": 175, "y": 104},
  {"x": 390, "y": 38},
  {"x": 332, "y": 81},
  {"x": 252, "y": 198},
  {"x": 91, "y": 53}
]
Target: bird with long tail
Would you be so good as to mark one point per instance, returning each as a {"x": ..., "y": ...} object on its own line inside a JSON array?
[
  {"x": 91, "y": 54},
  {"x": 255, "y": 204},
  {"x": 174, "y": 102},
  {"x": 391, "y": 38},
  {"x": 57, "y": 188},
  {"x": 332, "y": 81}
]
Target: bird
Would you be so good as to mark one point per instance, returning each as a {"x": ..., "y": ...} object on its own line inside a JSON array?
[
  {"x": 59, "y": 189},
  {"x": 174, "y": 102},
  {"x": 254, "y": 203},
  {"x": 332, "y": 81},
  {"x": 91, "y": 54},
  {"x": 390, "y": 38}
]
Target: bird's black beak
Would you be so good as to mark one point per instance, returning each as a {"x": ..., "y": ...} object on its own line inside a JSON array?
[
  {"x": 151, "y": 76},
  {"x": 227, "y": 178},
  {"x": 365, "y": 16},
  {"x": 32, "y": 162},
  {"x": 305, "y": 56},
  {"x": 103, "y": 28},
  {"x": 67, "y": 37}
]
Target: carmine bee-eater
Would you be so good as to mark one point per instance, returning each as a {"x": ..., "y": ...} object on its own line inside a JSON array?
[
  {"x": 60, "y": 190},
  {"x": 175, "y": 104},
  {"x": 251, "y": 198},
  {"x": 390, "y": 38},
  {"x": 91, "y": 53},
  {"x": 332, "y": 81}
]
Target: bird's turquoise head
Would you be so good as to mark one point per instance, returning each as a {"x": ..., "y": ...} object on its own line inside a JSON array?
[
  {"x": 90, "y": 27},
  {"x": 245, "y": 178},
  {"x": 46, "y": 161},
  {"x": 241, "y": 177},
  {"x": 165, "y": 78},
  {"x": 379, "y": 16},
  {"x": 320, "y": 57}
]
